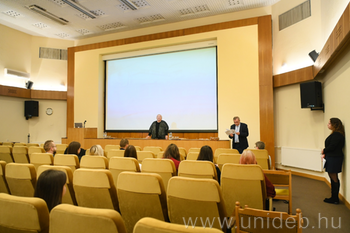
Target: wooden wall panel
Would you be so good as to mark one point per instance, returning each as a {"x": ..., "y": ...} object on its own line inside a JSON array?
[
  {"x": 70, "y": 88},
  {"x": 49, "y": 95},
  {"x": 14, "y": 92},
  {"x": 292, "y": 77}
]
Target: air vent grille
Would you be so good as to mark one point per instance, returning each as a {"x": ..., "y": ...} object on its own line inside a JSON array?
[
  {"x": 295, "y": 15},
  {"x": 51, "y": 53}
]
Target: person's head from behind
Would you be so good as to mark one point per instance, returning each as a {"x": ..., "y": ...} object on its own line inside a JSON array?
[
  {"x": 336, "y": 125},
  {"x": 206, "y": 153},
  {"x": 124, "y": 143},
  {"x": 172, "y": 151},
  {"x": 74, "y": 148},
  {"x": 130, "y": 151},
  {"x": 236, "y": 120},
  {"x": 159, "y": 118},
  {"x": 247, "y": 157},
  {"x": 50, "y": 147},
  {"x": 260, "y": 145},
  {"x": 96, "y": 150},
  {"x": 51, "y": 187}
]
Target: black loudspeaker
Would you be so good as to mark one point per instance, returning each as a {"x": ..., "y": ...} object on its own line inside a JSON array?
[
  {"x": 29, "y": 84},
  {"x": 311, "y": 95},
  {"x": 31, "y": 108},
  {"x": 313, "y": 55}
]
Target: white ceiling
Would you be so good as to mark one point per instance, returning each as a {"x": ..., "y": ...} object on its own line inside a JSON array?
[{"x": 113, "y": 15}]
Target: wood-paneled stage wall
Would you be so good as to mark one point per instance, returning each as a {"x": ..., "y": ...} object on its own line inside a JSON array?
[{"x": 265, "y": 73}]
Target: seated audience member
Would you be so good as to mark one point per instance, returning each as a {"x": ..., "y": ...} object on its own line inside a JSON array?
[
  {"x": 206, "y": 154},
  {"x": 131, "y": 152},
  {"x": 260, "y": 145},
  {"x": 75, "y": 148},
  {"x": 172, "y": 152},
  {"x": 248, "y": 157},
  {"x": 50, "y": 147},
  {"x": 51, "y": 187},
  {"x": 124, "y": 143},
  {"x": 96, "y": 150}
]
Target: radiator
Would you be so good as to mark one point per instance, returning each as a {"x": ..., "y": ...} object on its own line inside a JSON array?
[{"x": 309, "y": 159}]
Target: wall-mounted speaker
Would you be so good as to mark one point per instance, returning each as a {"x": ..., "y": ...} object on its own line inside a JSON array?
[
  {"x": 311, "y": 95},
  {"x": 31, "y": 108}
]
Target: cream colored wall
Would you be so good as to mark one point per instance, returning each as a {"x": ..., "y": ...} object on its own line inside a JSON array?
[
  {"x": 15, "y": 127},
  {"x": 237, "y": 67}
]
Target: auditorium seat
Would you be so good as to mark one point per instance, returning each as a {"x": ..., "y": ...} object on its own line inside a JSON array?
[
  {"x": 118, "y": 165},
  {"x": 10, "y": 144},
  {"x": 192, "y": 155},
  {"x": 228, "y": 158},
  {"x": 94, "y": 188},
  {"x": 198, "y": 169},
  {"x": 19, "y": 144},
  {"x": 194, "y": 150},
  {"x": 243, "y": 183},
  {"x": 23, "y": 214},
  {"x": 33, "y": 144},
  {"x": 38, "y": 159},
  {"x": 154, "y": 149},
  {"x": 141, "y": 155},
  {"x": 4, "y": 188},
  {"x": 20, "y": 154},
  {"x": 138, "y": 148},
  {"x": 94, "y": 162},
  {"x": 21, "y": 179},
  {"x": 183, "y": 152},
  {"x": 6, "y": 153},
  {"x": 69, "y": 160},
  {"x": 190, "y": 198},
  {"x": 151, "y": 225},
  {"x": 219, "y": 151},
  {"x": 115, "y": 153},
  {"x": 60, "y": 148},
  {"x": 110, "y": 147},
  {"x": 75, "y": 219},
  {"x": 35, "y": 149},
  {"x": 163, "y": 167},
  {"x": 141, "y": 195},
  {"x": 69, "y": 197},
  {"x": 262, "y": 158},
  {"x": 160, "y": 154}
]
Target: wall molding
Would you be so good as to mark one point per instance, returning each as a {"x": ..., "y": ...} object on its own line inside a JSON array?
[{"x": 32, "y": 94}]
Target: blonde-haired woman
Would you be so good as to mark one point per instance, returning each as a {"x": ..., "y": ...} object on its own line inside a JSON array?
[{"x": 96, "y": 150}]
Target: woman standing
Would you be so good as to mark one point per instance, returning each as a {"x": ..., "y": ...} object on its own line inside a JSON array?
[{"x": 333, "y": 153}]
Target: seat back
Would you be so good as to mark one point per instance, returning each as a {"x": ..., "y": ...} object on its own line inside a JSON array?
[
  {"x": 10, "y": 144},
  {"x": 243, "y": 183},
  {"x": 282, "y": 180},
  {"x": 154, "y": 149},
  {"x": 228, "y": 158},
  {"x": 141, "y": 195},
  {"x": 138, "y": 148},
  {"x": 94, "y": 162},
  {"x": 160, "y": 154},
  {"x": 219, "y": 151},
  {"x": 190, "y": 198},
  {"x": 21, "y": 179},
  {"x": 110, "y": 147},
  {"x": 151, "y": 225},
  {"x": 69, "y": 197},
  {"x": 141, "y": 155},
  {"x": 33, "y": 144},
  {"x": 118, "y": 165},
  {"x": 198, "y": 169},
  {"x": 4, "y": 188},
  {"x": 194, "y": 150},
  {"x": 115, "y": 153},
  {"x": 20, "y": 154},
  {"x": 35, "y": 149},
  {"x": 192, "y": 156},
  {"x": 183, "y": 151},
  {"x": 19, "y": 144},
  {"x": 69, "y": 160},
  {"x": 163, "y": 167},
  {"x": 60, "y": 148},
  {"x": 23, "y": 214},
  {"x": 6, "y": 154},
  {"x": 38, "y": 159},
  {"x": 95, "y": 188},
  {"x": 262, "y": 158},
  {"x": 75, "y": 219},
  {"x": 262, "y": 221}
]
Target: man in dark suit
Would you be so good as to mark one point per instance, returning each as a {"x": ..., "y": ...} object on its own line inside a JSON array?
[{"x": 239, "y": 139}]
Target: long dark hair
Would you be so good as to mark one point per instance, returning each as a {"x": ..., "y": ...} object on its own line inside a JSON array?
[
  {"x": 172, "y": 151},
  {"x": 73, "y": 148},
  {"x": 130, "y": 151},
  {"x": 50, "y": 187},
  {"x": 337, "y": 125},
  {"x": 206, "y": 153}
]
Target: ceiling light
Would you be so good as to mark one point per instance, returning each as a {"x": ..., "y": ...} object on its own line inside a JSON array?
[
  {"x": 16, "y": 74},
  {"x": 130, "y": 4},
  {"x": 80, "y": 8},
  {"x": 44, "y": 12}
]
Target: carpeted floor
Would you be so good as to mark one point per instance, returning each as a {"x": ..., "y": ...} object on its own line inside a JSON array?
[{"x": 308, "y": 195}]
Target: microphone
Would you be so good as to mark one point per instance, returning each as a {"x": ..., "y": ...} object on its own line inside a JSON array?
[{"x": 84, "y": 123}]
